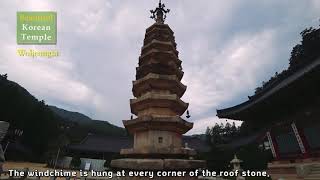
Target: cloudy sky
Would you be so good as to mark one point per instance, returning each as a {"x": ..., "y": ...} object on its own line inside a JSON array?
[{"x": 227, "y": 47}]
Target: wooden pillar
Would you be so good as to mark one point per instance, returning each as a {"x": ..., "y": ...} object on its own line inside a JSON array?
[
  {"x": 305, "y": 142},
  {"x": 272, "y": 146},
  {"x": 302, "y": 144}
]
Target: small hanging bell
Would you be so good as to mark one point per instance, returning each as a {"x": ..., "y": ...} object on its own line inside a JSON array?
[{"x": 188, "y": 114}]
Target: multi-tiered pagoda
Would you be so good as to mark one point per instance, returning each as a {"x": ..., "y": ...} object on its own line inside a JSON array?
[{"x": 157, "y": 89}]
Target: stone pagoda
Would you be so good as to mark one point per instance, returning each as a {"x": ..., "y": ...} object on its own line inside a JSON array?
[{"x": 157, "y": 89}]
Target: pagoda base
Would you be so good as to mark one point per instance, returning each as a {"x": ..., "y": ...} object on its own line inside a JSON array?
[
  {"x": 157, "y": 164},
  {"x": 163, "y": 153}
]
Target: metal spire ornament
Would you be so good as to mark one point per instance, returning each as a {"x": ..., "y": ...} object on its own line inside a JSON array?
[{"x": 159, "y": 14}]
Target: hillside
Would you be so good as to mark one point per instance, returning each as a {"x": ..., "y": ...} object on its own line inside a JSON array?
[
  {"x": 69, "y": 115},
  {"x": 85, "y": 124},
  {"x": 41, "y": 124},
  {"x": 23, "y": 111}
]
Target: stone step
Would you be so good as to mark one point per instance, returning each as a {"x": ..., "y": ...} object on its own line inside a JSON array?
[
  {"x": 313, "y": 175},
  {"x": 285, "y": 176},
  {"x": 315, "y": 168},
  {"x": 315, "y": 172},
  {"x": 312, "y": 178}
]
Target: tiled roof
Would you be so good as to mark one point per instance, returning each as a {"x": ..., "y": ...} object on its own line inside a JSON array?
[{"x": 232, "y": 112}]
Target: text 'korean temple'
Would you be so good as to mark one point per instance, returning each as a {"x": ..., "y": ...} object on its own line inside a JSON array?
[{"x": 158, "y": 128}]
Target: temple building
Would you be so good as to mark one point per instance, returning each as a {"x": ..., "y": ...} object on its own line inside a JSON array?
[
  {"x": 287, "y": 112},
  {"x": 158, "y": 127}
]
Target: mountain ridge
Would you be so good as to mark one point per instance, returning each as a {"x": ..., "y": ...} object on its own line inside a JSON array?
[
  {"x": 43, "y": 127},
  {"x": 91, "y": 125}
]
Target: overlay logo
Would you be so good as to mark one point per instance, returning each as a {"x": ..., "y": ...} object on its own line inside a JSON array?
[{"x": 37, "y": 27}]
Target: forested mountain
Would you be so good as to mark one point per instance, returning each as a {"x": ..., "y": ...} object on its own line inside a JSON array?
[
  {"x": 84, "y": 124},
  {"x": 302, "y": 54},
  {"x": 24, "y": 112},
  {"x": 42, "y": 125}
]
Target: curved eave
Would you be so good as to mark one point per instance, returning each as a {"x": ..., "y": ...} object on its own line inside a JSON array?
[
  {"x": 160, "y": 56},
  {"x": 175, "y": 124},
  {"x": 235, "y": 111},
  {"x": 160, "y": 45},
  {"x": 158, "y": 68},
  {"x": 160, "y": 101},
  {"x": 158, "y": 26},
  {"x": 157, "y": 81}
]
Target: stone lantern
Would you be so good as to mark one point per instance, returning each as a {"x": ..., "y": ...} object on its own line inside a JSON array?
[{"x": 236, "y": 163}]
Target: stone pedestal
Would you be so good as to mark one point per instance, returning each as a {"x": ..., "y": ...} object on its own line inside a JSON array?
[{"x": 157, "y": 164}]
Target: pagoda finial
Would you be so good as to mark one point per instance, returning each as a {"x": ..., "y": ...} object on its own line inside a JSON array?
[{"x": 159, "y": 14}]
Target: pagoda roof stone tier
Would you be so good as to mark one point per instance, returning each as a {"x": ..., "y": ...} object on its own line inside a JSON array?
[
  {"x": 157, "y": 26},
  {"x": 161, "y": 35},
  {"x": 144, "y": 123},
  {"x": 158, "y": 68},
  {"x": 159, "y": 82},
  {"x": 149, "y": 100},
  {"x": 163, "y": 57},
  {"x": 159, "y": 45}
]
